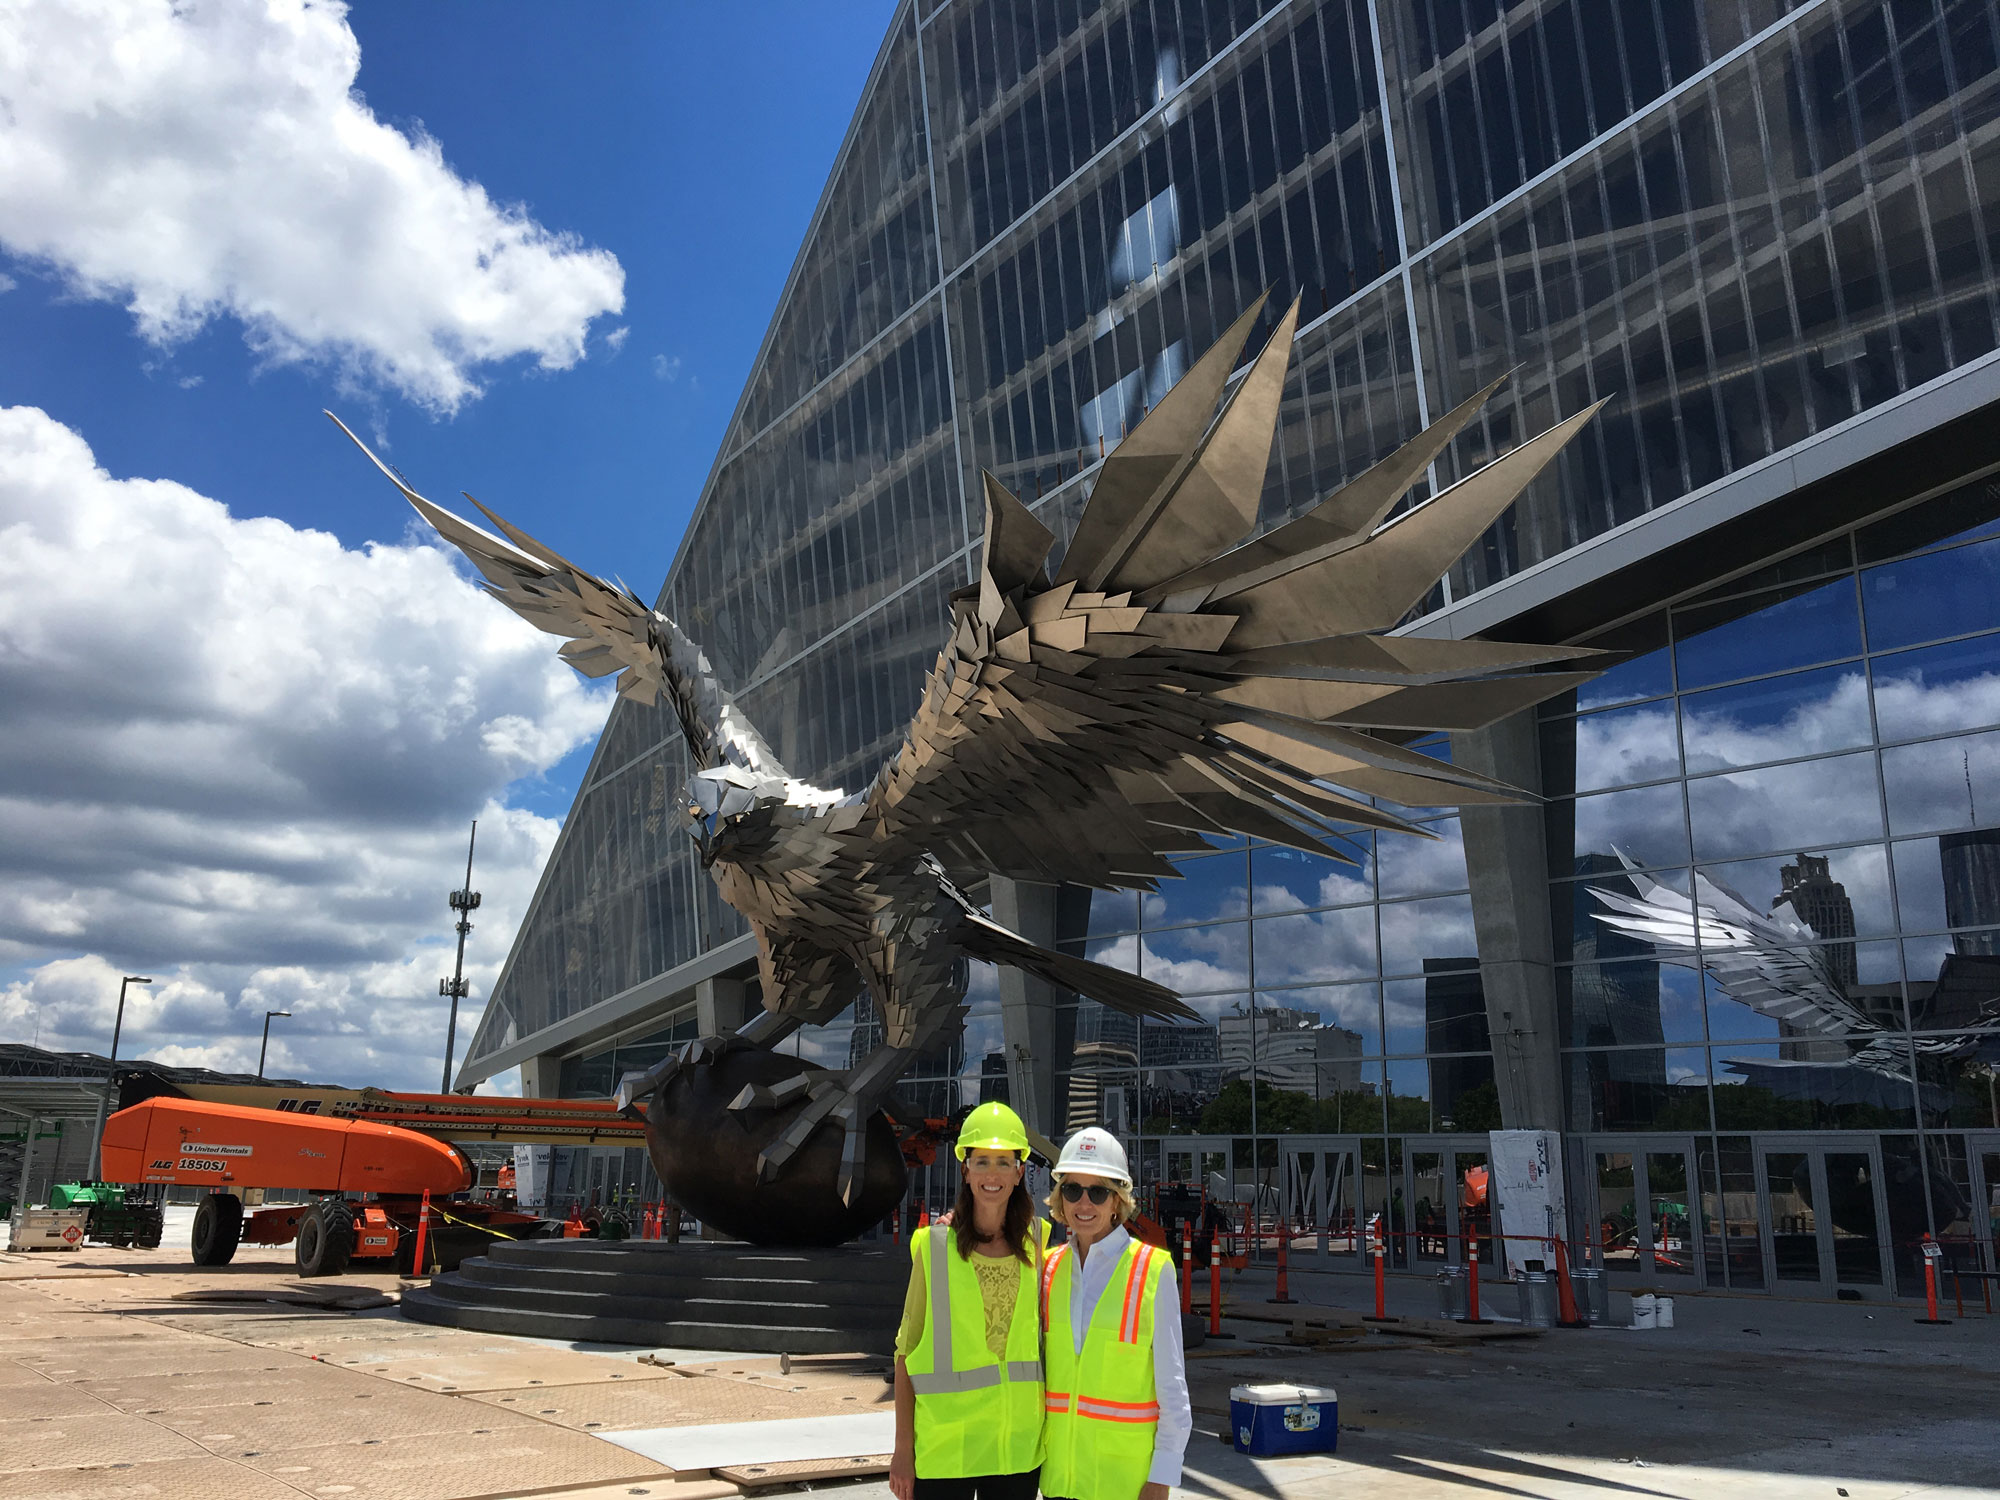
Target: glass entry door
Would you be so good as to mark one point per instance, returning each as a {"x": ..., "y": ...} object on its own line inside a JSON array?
[
  {"x": 1825, "y": 1216},
  {"x": 1647, "y": 1224},
  {"x": 1320, "y": 1196},
  {"x": 1982, "y": 1149}
]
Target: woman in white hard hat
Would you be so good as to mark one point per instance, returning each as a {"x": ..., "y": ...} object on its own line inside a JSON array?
[
  {"x": 968, "y": 1356},
  {"x": 1118, "y": 1415}
]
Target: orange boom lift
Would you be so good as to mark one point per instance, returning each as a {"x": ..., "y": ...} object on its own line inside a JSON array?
[{"x": 372, "y": 1157}]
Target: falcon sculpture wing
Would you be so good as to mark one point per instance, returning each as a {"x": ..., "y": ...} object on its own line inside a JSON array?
[{"x": 1173, "y": 679}]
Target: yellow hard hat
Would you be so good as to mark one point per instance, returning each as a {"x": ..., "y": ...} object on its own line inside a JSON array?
[{"x": 992, "y": 1127}]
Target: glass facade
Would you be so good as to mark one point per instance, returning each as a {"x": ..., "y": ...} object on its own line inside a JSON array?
[{"x": 1743, "y": 221}]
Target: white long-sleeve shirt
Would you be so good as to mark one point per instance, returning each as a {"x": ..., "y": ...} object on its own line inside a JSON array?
[{"x": 1089, "y": 1276}]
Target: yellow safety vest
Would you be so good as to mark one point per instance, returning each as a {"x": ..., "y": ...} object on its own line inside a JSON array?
[
  {"x": 975, "y": 1415},
  {"x": 1103, "y": 1411}
]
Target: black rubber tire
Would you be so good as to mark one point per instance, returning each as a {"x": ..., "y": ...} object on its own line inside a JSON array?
[
  {"x": 152, "y": 1224},
  {"x": 325, "y": 1241},
  {"x": 218, "y": 1227}
]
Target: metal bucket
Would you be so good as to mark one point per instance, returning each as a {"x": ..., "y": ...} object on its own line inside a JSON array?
[
  {"x": 1451, "y": 1293},
  {"x": 1538, "y": 1299},
  {"x": 1593, "y": 1297}
]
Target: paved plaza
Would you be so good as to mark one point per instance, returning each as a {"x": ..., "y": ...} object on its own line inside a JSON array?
[{"x": 111, "y": 1387}]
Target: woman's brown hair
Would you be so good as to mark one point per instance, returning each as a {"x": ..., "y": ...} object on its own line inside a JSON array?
[{"x": 1020, "y": 1215}]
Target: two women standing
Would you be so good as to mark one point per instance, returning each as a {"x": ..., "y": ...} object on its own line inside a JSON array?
[{"x": 1019, "y": 1366}]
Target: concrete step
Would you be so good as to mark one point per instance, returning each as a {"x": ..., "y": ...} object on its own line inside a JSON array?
[
  {"x": 703, "y": 1295},
  {"x": 668, "y": 1284},
  {"x": 595, "y": 1303},
  {"x": 423, "y": 1305}
]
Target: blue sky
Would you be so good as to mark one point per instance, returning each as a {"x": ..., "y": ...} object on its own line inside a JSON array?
[{"x": 173, "y": 314}]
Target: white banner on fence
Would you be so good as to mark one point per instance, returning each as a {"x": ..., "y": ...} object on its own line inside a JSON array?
[
  {"x": 531, "y": 1175},
  {"x": 1528, "y": 1180}
]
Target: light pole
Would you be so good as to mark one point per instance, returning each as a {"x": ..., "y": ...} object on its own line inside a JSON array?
[
  {"x": 117, "y": 1029},
  {"x": 465, "y": 902},
  {"x": 261, "y": 1051}
]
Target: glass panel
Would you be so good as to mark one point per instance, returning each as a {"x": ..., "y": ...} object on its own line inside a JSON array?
[
  {"x": 1794, "y": 1223},
  {"x": 1617, "y": 1228},
  {"x": 1646, "y": 824},
  {"x": 1850, "y": 1208},
  {"x": 1336, "y": 944},
  {"x": 1841, "y": 893},
  {"x": 1953, "y": 592},
  {"x": 1770, "y": 632},
  {"x": 1776, "y": 718},
  {"x": 1423, "y": 937},
  {"x": 1199, "y": 960},
  {"x": 1354, "y": 1010},
  {"x": 1409, "y": 1099},
  {"x": 1650, "y": 674},
  {"x": 1752, "y": 811},
  {"x": 1811, "y": 1085},
  {"x": 1987, "y": 1215},
  {"x": 1938, "y": 689},
  {"x": 1421, "y": 866},
  {"x": 1475, "y": 1203},
  {"x": 1903, "y": 1180},
  {"x": 1616, "y": 748},
  {"x": 1669, "y": 1224},
  {"x": 1629, "y": 1003},
  {"x": 1111, "y": 911},
  {"x": 1284, "y": 880},
  {"x": 1210, "y": 888},
  {"x": 1729, "y": 1220},
  {"x": 1957, "y": 515},
  {"x": 1185, "y": 1101},
  {"x": 1940, "y": 785},
  {"x": 1427, "y": 1224},
  {"x": 1651, "y": 1088}
]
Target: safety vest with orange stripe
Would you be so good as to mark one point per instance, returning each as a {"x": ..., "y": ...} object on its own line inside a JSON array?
[
  {"x": 1103, "y": 1411},
  {"x": 976, "y": 1415}
]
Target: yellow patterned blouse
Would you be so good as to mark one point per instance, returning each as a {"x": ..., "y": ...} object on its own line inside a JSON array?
[{"x": 998, "y": 1280}]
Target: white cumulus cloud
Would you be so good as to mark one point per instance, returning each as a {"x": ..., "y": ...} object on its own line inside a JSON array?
[
  {"x": 195, "y": 160},
  {"x": 241, "y": 758}
]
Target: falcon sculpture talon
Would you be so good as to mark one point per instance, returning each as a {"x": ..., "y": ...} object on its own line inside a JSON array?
[{"x": 1174, "y": 676}]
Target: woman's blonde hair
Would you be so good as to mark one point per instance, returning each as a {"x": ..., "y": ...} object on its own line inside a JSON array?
[{"x": 1121, "y": 1199}]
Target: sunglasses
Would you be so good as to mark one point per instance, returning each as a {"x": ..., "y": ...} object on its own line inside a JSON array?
[{"x": 1073, "y": 1192}]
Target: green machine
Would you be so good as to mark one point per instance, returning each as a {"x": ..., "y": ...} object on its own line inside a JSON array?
[{"x": 119, "y": 1216}]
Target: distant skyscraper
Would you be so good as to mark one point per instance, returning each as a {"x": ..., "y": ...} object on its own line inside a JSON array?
[
  {"x": 1822, "y": 904},
  {"x": 1291, "y": 1049},
  {"x": 1970, "y": 862}
]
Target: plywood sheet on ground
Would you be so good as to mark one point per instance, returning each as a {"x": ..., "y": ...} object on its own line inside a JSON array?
[
  {"x": 463, "y": 1374},
  {"x": 725, "y": 1445},
  {"x": 657, "y": 1403},
  {"x": 101, "y": 1437},
  {"x": 861, "y": 1389},
  {"x": 669, "y": 1488},
  {"x": 270, "y": 1379},
  {"x": 172, "y": 1479},
  {"x": 244, "y": 1431},
  {"x": 470, "y": 1466},
  {"x": 48, "y": 1398},
  {"x": 806, "y": 1471}
]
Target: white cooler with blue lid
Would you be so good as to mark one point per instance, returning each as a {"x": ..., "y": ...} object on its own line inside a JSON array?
[{"x": 1271, "y": 1420}]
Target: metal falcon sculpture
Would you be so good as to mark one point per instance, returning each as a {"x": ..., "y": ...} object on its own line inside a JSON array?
[{"x": 1167, "y": 679}]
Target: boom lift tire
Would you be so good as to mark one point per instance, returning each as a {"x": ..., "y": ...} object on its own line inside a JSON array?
[
  {"x": 218, "y": 1225},
  {"x": 326, "y": 1238}
]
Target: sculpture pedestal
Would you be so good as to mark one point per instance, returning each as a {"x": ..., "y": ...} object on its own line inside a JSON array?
[{"x": 694, "y": 1295}]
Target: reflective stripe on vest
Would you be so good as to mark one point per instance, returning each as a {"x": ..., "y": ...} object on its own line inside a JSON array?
[{"x": 947, "y": 1376}]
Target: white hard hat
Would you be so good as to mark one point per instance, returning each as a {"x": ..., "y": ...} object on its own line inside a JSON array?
[{"x": 1097, "y": 1153}]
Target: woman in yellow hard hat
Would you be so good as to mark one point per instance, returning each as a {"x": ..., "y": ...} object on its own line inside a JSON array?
[
  {"x": 968, "y": 1356},
  {"x": 1118, "y": 1412}
]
